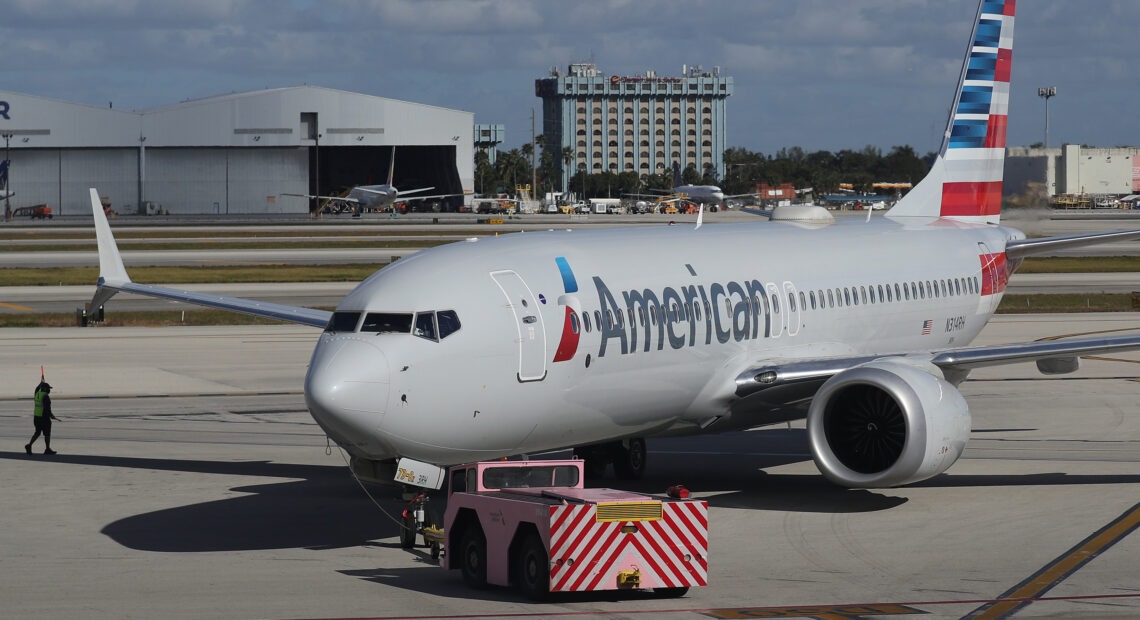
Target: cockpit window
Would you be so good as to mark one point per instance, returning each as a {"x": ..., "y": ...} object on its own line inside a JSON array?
[
  {"x": 343, "y": 322},
  {"x": 387, "y": 323},
  {"x": 425, "y": 326},
  {"x": 448, "y": 322}
]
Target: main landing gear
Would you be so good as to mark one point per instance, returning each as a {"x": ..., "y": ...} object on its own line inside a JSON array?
[{"x": 628, "y": 457}]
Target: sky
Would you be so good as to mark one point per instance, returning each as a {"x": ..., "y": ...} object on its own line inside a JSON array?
[{"x": 818, "y": 74}]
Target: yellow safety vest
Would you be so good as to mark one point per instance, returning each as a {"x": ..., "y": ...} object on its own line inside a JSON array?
[{"x": 40, "y": 404}]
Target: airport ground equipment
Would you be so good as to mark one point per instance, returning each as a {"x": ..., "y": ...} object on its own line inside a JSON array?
[
  {"x": 533, "y": 525},
  {"x": 36, "y": 212}
]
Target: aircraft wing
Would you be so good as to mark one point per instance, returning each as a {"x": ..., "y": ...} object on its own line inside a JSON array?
[
  {"x": 340, "y": 198},
  {"x": 113, "y": 278},
  {"x": 797, "y": 379},
  {"x": 401, "y": 197}
]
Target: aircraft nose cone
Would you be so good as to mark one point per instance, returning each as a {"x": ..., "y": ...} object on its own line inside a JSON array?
[{"x": 347, "y": 388}]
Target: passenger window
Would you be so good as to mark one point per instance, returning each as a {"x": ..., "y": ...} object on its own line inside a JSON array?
[
  {"x": 697, "y": 310},
  {"x": 830, "y": 299},
  {"x": 387, "y": 323},
  {"x": 863, "y": 294},
  {"x": 791, "y": 302},
  {"x": 448, "y": 322},
  {"x": 598, "y": 319},
  {"x": 425, "y": 326},
  {"x": 846, "y": 296},
  {"x": 343, "y": 322},
  {"x": 812, "y": 296},
  {"x": 775, "y": 305},
  {"x": 803, "y": 301},
  {"x": 574, "y": 323},
  {"x": 586, "y": 321}
]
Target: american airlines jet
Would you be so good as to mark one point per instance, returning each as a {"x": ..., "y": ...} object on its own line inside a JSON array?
[{"x": 596, "y": 340}]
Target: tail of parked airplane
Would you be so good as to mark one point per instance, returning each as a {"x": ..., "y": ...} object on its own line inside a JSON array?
[{"x": 965, "y": 181}]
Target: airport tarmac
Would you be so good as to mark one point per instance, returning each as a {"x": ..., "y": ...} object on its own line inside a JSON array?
[{"x": 190, "y": 482}]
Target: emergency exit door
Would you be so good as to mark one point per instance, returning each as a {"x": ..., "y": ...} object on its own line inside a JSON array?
[{"x": 531, "y": 336}]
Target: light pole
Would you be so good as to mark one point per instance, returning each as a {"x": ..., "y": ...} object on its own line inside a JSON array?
[
  {"x": 1047, "y": 92},
  {"x": 7, "y": 182}
]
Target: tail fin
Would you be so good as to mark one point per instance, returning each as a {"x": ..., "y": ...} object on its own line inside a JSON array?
[
  {"x": 392, "y": 165},
  {"x": 965, "y": 181}
]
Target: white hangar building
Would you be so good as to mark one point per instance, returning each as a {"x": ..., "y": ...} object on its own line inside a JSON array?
[{"x": 231, "y": 154}]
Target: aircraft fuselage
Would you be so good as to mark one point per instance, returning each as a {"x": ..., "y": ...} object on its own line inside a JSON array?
[{"x": 562, "y": 344}]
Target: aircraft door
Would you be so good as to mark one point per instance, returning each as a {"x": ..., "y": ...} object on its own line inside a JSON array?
[{"x": 528, "y": 321}]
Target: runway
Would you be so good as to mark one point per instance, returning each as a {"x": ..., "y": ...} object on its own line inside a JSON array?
[{"x": 190, "y": 482}]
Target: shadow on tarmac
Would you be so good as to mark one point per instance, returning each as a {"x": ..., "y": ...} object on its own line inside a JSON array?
[{"x": 320, "y": 507}]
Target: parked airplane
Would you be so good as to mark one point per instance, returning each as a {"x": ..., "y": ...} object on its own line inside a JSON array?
[
  {"x": 4, "y": 193},
  {"x": 698, "y": 194},
  {"x": 377, "y": 197},
  {"x": 598, "y": 339}
]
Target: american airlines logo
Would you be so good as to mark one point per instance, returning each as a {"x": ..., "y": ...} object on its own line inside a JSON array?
[
  {"x": 681, "y": 316},
  {"x": 4, "y": 107}
]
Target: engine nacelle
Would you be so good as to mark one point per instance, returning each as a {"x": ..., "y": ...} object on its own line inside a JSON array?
[{"x": 887, "y": 423}]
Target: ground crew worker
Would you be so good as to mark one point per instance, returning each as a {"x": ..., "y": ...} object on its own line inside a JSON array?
[{"x": 42, "y": 417}]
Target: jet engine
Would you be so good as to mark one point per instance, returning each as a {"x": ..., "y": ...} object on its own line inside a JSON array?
[{"x": 887, "y": 423}]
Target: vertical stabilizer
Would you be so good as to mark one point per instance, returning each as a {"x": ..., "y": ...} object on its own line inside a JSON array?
[{"x": 965, "y": 181}]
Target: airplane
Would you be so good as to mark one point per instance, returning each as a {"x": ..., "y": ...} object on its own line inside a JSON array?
[
  {"x": 699, "y": 194},
  {"x": 377, "y": 197},
  {"x": 4, "y": 193},
  {"x": 597, "y": 339}
]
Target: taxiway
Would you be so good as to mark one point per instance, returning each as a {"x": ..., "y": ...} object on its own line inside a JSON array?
[{"x": 190, "y": 482}]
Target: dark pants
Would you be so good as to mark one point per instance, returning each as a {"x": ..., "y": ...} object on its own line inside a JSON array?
[{"x": 43, "y": 425}]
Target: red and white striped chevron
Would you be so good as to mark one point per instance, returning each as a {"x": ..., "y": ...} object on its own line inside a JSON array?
[{"x": 586, "y": 554}]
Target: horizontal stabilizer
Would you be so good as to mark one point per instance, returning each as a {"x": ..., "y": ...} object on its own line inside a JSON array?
[{"x": 1018, "y": 248}]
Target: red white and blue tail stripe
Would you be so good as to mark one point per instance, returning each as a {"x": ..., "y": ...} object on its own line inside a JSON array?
[{"x": 965, "y": 181}]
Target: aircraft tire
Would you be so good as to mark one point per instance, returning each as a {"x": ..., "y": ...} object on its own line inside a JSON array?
[
  {"x": 629, "y": 462},
  {"x": 408, "y": 532}
]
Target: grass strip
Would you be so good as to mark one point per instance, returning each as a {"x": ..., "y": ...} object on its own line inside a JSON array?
[
  {"x": 205, "y": 246},
  {"x": 1080, "y": 264},
  {"x": 1043, "y": 304},
  {"x": 197, "y": 274}
]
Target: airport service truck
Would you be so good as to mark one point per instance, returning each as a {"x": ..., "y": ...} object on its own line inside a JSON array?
[{"x": 533, "y": 525}]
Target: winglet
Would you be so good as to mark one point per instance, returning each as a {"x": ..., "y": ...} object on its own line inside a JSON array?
[
  {"x": 111, "y": 270},
  {"x": 112, "y": 274}
]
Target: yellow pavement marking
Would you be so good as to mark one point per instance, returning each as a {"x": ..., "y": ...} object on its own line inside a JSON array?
[{"x": 1054, "y": 573}]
